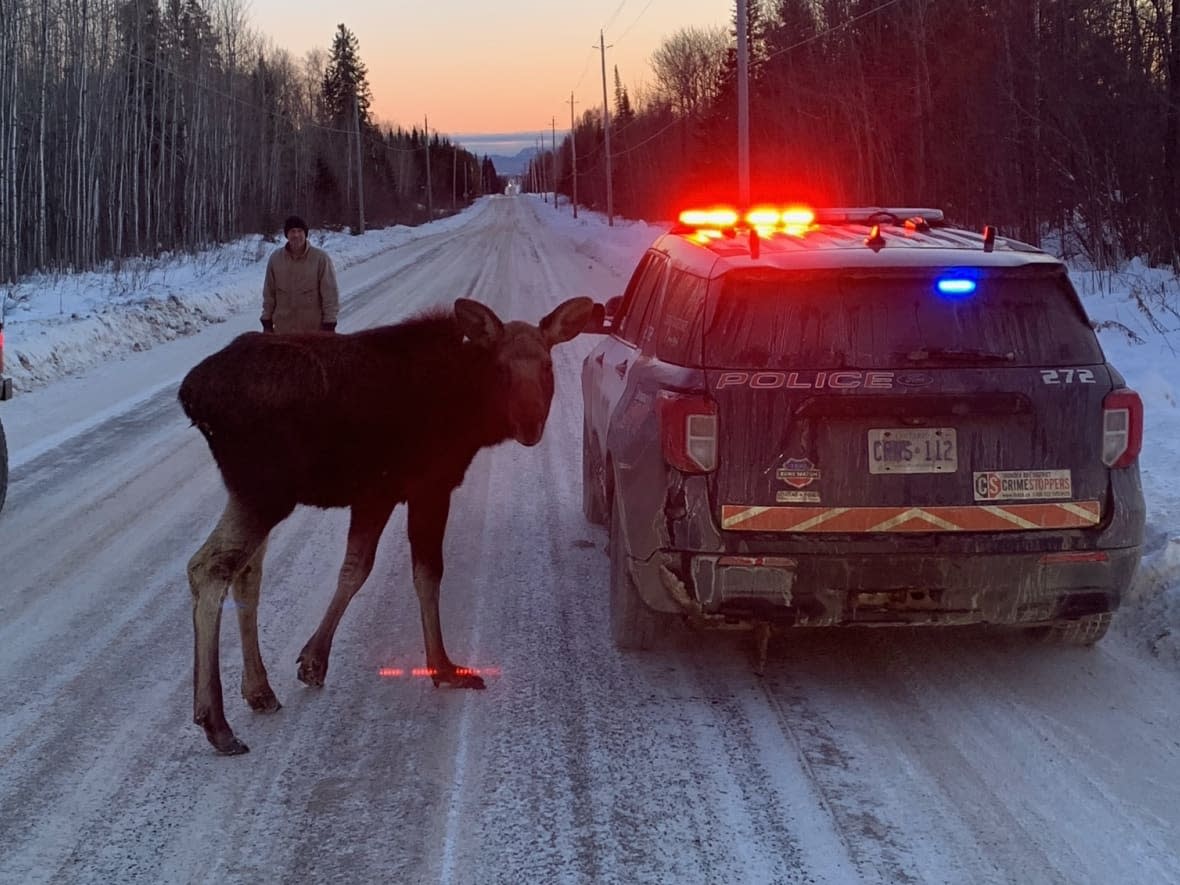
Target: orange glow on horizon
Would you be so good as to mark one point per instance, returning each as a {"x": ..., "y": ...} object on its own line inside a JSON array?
[{"x": 442, "y": 63}]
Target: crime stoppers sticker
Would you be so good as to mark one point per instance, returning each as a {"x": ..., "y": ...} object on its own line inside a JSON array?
[{"x": 1022, "y": 485}]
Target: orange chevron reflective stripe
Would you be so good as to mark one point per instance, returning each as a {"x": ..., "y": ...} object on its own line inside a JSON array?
[{"x": 969, "y": 518}]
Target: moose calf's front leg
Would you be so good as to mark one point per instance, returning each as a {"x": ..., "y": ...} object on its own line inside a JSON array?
[
  {"x": 427, "y": 523},
  {"x": 440, "y": 666},
  {"x": 364, "y": 533}
]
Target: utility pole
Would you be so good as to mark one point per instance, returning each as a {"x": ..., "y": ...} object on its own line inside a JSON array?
[
  {"x": 429, "y": 198},
  {"x": 454, "y": 173},
  {"x": 360, "y": 176},
  {"x": 743, "y": 109},
  {"x": 542, "y": 185},
  {"x": 574, "y": 155},
  {"x": 610, "y": 197},
  {"x": 553, "y": 157}
]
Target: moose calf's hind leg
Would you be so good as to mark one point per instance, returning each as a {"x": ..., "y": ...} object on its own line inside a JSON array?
[
  {"x": 247, "y": 590},
  {"x": 209, "y": 573},
  {"x": 230, "y": 546}
]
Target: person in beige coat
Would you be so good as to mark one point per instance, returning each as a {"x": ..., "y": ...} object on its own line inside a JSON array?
[{"x": 299, "y": 293}]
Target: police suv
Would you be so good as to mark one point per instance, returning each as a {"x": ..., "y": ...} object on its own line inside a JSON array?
[{"x": 857, "y": 416}]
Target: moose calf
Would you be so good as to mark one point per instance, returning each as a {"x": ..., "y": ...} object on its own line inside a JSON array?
[{"x": 365, "y": 421}]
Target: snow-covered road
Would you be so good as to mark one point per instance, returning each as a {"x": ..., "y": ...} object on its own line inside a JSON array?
[{"x": 860, "y": 756}]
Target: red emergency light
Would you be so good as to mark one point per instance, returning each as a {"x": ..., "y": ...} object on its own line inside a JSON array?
[
  {"x": 791, "y": 219},
  {"x": 716, "y": 219}
]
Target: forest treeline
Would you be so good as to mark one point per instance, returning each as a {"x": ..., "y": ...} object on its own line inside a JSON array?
[
  {"x": 1051, "y": 119},
  {"x": 134, "y": 127}
]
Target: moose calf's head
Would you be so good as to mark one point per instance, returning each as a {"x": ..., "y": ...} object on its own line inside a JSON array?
[{"x": 524, "y": 371}]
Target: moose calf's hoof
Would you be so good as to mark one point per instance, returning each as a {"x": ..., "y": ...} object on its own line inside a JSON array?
[
  {"x": 229, "y": 746},
  {"x": 458, "y": 678},
  {"x": 263, "y": 701},
  {"x": 311, "y": 671},
  {"x": 224, "y": 742},
  {"x": 218, "y": 732}
]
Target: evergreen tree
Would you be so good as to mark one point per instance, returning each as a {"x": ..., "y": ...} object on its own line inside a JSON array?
[
  {"x": 490, "y": 181},
  {"x": 720, "y": 124},
  {"x": 623, "y": 113},
  {"x": 344, "y": 77},
  {"x": 725, "y": 105}
]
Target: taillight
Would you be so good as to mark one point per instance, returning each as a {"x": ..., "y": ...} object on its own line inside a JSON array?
[
  {"x": 1122, "y": 428},
  {"x": 688, "y": 431}
]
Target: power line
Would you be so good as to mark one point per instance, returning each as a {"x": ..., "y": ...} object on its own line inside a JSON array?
[
  {"x": 611, "y": 21},
  {"x": 647, "y": 140},
  {"x": 634, "y": 21},
  {"x": 585, "y": 68},
  {"x": 828, "y": 31}
]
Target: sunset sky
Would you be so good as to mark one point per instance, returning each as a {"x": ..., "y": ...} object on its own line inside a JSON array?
[{"x": 506, "y": 66}]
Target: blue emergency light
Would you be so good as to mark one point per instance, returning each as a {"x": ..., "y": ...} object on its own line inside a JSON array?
[{"x": 956, "y": 286}]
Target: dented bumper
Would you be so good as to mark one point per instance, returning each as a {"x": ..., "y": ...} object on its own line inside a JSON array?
[
  {"x": 717, "y": 577},
  {"x": 885, "y": 588}
]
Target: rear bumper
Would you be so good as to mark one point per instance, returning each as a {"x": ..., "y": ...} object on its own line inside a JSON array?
[
  {"x": 888, "y": 588},
  {"x": 690, "y": 566}
]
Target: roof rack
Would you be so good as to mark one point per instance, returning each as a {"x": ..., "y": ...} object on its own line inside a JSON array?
[{"x": 871, "y": 215}]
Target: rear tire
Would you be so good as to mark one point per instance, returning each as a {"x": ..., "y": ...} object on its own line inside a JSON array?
[
  {"x": 593, "y": 496},
  {"x": 633, "y": 626},
  {"x": 1086, "y": 630}
]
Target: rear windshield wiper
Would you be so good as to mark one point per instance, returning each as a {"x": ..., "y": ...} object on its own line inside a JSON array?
[{"x": 968, "y": 356}]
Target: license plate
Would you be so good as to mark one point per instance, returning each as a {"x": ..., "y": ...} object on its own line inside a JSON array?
[{"x": 913, "y": 450}]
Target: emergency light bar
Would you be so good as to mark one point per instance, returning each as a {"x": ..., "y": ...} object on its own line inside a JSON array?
[
  {"x": 717, "y": 219},
  {"x": 766, "y": 218}
]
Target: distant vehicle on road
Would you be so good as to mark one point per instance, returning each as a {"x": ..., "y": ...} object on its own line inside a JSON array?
[{"x": 858, "y": 416}]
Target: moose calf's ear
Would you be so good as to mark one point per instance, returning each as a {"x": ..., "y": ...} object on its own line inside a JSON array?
[
  {"x": 478, "y": 322},
  {"x": 567, "y": 320}
]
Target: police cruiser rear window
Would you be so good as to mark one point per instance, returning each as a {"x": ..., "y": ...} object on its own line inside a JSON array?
[{"x": 786, "y": 319}]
